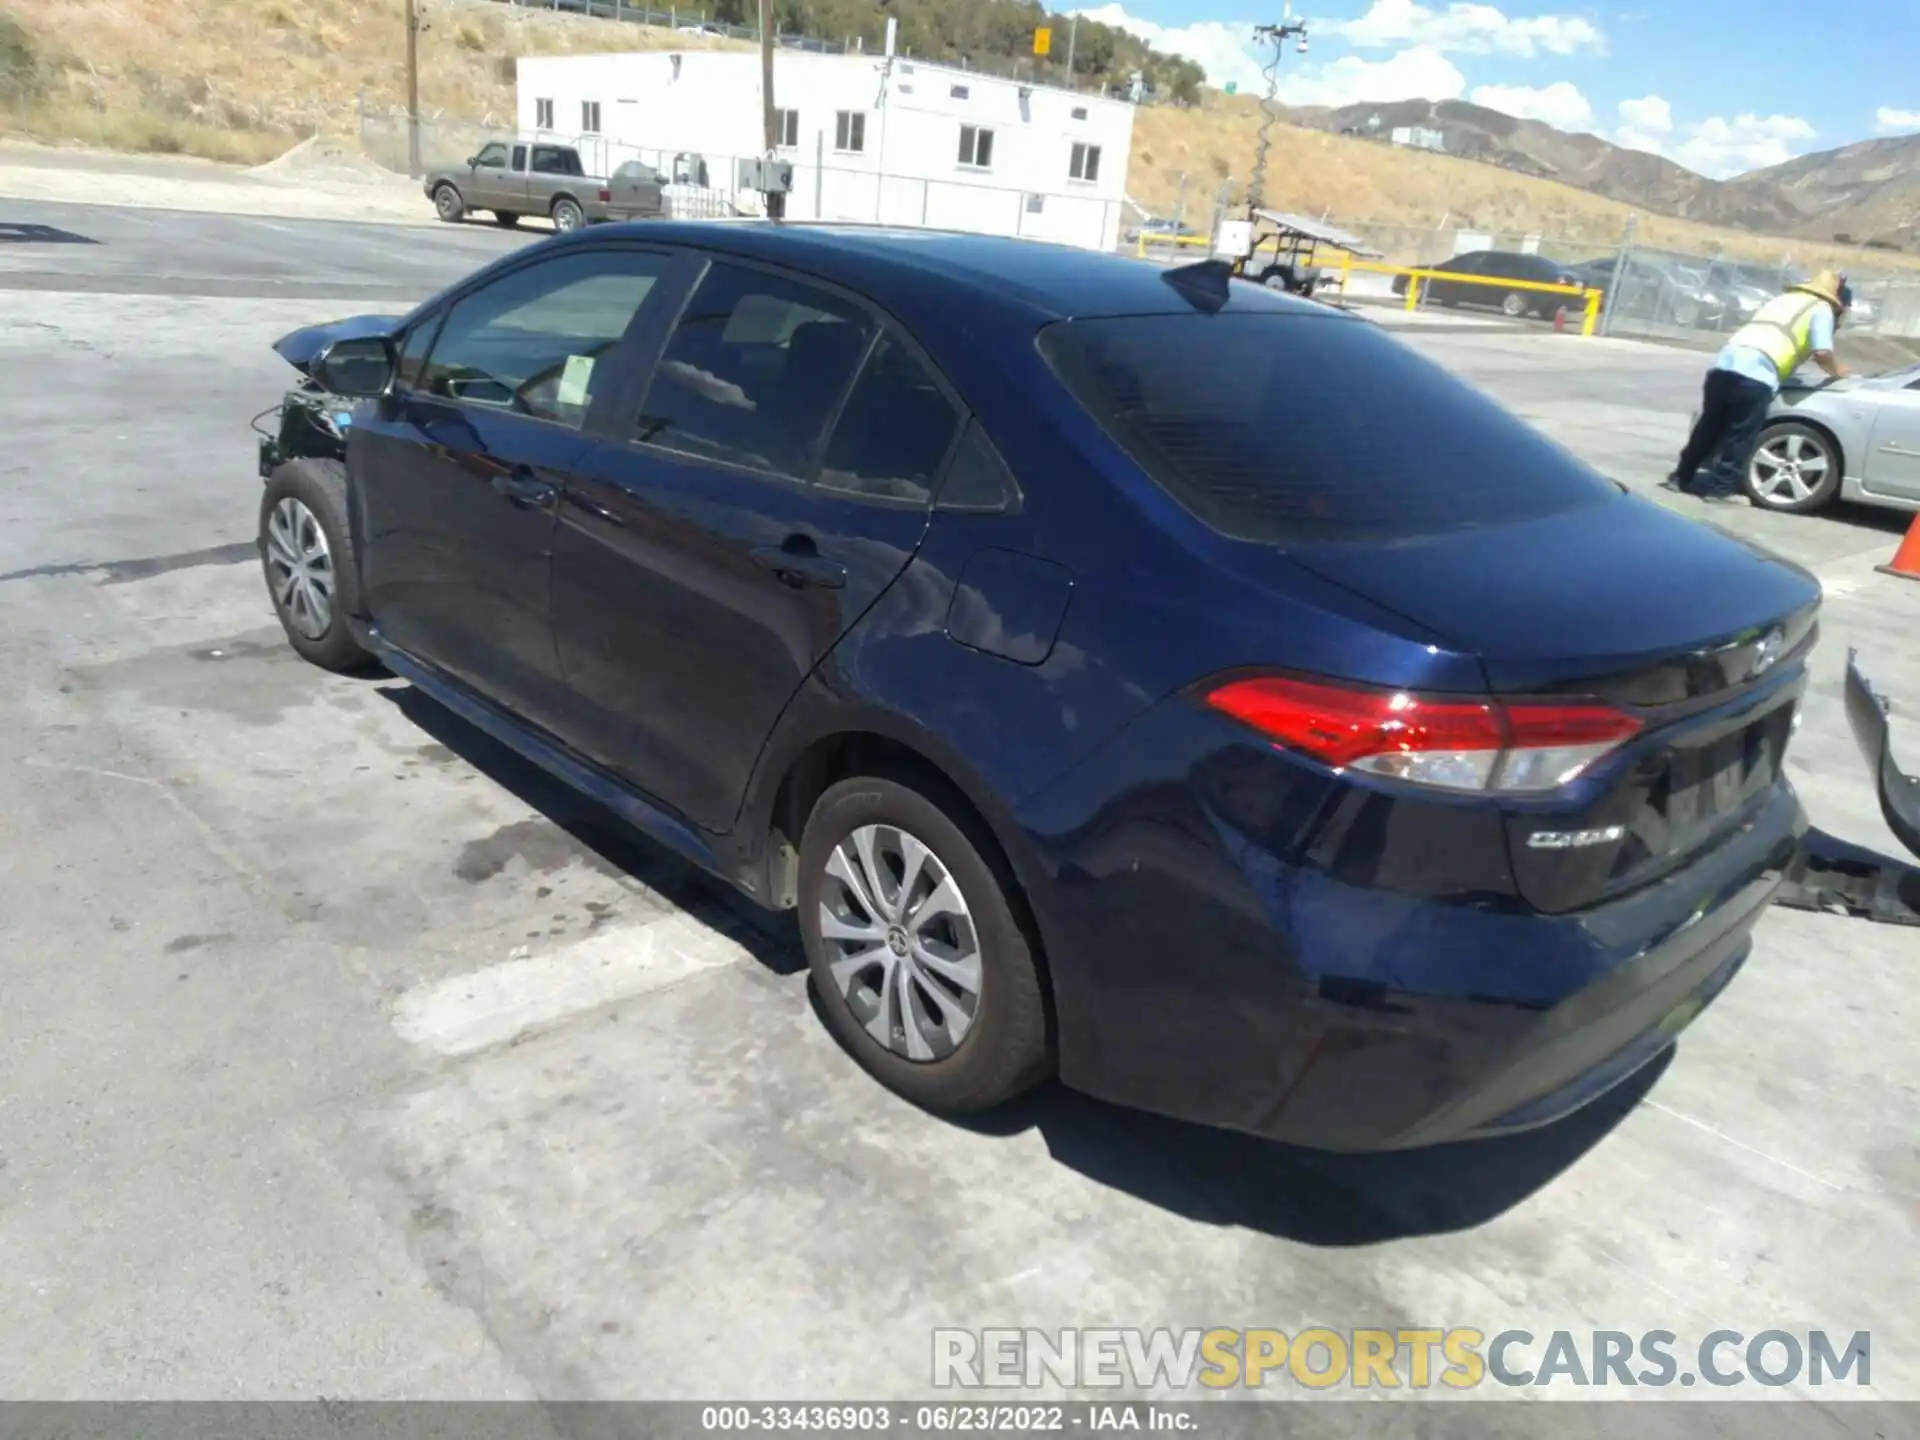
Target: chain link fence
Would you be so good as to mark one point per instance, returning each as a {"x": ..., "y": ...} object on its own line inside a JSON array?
[
  {"x": 703, "y": 186},
  {"x": 1653, "y": 293}
]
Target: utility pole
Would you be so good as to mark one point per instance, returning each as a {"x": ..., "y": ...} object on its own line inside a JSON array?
[
  {"x": 1276, "y": 36},
  {"x": 413, "y": 88},
  {"x": 1073, "y": 33},
  {"x": 769, "y": 117}
]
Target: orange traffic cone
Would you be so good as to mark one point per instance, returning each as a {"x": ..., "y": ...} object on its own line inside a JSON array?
[{"x": 1906, "y": 560}]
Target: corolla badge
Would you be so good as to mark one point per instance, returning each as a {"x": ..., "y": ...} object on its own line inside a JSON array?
[{"x": 1768, "y": 651}]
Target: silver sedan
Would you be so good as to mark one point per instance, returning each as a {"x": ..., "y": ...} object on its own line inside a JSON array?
[{"x": 1856, "y": 439}]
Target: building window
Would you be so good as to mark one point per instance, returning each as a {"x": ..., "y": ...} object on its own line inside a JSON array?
[
  {"x": 543, "y": 114},
  {"x": 976, "y": 147},
  {"x": 589, "y": 117},
  {"x": 786, "y": 128},
  {"x": 1079, "y": 112},
  {"x": 958, "y": 92},
  {"x": 1085, "y": 164},
  {"x": 850, "y": 131}
]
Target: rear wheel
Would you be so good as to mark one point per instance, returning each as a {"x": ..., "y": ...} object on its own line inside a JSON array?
[
  {"x": 1795, "y": 469},
  {"x": 306, "y": 552},
  {"x": 448, "y": 205},
  {"x": 506, "y": 218},
  {"x": 567, "y": 215},
  {"x": 921, "y": 966},
  {"x": 1514, "y": 306}
]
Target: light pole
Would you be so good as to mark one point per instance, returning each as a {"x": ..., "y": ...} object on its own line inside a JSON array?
[
  {"x": 769, "y": 115},
  {"x": 413, "y": 89},
  {"x": 1276, "y": 36}
]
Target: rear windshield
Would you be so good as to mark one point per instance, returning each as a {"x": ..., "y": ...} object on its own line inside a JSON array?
[{"x": 1305, "y": 429}]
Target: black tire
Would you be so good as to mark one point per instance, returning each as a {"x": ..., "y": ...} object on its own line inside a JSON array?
[
  {"x": 1515, "y": 306},
  {"x": 319, "y": 487},
  {"x": 448, "y": 204},
  {"x": 1006, "y": 1050},
  {"x": 567, "y": 214},
  {"x": 506, "y": 219},
  {"x": 1784, "y": 440}
]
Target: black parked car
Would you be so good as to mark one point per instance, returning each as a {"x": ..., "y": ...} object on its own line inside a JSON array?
[
  {"x": 1499, "y": 265},
  {"x": 1070, "y": 643}
]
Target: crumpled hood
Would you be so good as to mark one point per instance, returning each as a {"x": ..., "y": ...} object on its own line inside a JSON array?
[{"x": 300, "y": 348}]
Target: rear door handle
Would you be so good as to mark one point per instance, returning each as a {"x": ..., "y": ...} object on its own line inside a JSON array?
[
  {"x": 525, "y": 490},
  {"x": 800, "y": 568}
]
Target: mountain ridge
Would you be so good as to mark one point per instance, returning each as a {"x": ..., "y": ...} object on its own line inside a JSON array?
[{"x": 1864, "y": 192}]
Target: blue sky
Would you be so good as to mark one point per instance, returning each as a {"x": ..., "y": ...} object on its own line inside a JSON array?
[{"x": 1721, "y": 86}]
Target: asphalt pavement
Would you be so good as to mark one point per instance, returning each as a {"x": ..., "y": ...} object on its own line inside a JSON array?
[{"x": 340, "y": 1055}]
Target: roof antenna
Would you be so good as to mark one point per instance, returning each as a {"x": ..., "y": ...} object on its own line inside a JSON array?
[{"x": 1206, "y": 285}]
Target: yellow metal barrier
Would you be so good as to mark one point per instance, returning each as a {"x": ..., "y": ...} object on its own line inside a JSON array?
[
  {"x": 1144, "y": 239},
  {"x": 1415, "y": 274}
]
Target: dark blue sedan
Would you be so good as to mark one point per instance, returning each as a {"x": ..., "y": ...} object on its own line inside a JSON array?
[{"x": 1123, "y": 672}]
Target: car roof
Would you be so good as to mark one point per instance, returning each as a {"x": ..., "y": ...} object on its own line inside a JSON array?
[{"x": 910, "y": 271}]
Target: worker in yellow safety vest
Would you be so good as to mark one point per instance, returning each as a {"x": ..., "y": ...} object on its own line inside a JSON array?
[{"x": 1782, "y": 336}]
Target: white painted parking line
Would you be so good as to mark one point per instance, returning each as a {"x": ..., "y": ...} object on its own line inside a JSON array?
[{"x": 470, "y": 1013}]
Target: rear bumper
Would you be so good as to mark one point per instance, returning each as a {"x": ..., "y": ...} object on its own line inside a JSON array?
[{"x": 1198, "y": 977}]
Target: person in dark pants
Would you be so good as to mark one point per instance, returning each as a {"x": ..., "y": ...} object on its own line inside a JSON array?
[{"x": 1740, "y": 388}]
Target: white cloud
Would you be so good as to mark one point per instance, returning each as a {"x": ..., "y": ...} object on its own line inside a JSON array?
[
  {"x": 1560, "y": 104},
  {"x": 1221, "y": 49},
  {"x": 1889, "y": 121},
  {"x": 1421, "y": 73},
  {"x": 1224, "y": 52},
  {"x": 1720, "y": 147},
  {"x": 1645, "y": 124},
  {"x": 1468, "y": 29},
  {"x": 1717, "y": 146}
]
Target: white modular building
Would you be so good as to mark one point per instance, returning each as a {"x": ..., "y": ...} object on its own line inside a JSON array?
[{"x": 873, "y": 139}]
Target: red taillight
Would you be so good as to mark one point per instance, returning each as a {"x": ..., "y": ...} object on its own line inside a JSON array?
[
  {"x": 1454, "y": 743},
  {"x": 605, "y": 195}
]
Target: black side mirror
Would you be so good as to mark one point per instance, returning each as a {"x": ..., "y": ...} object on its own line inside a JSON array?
[{"x": 356, "y": 369}]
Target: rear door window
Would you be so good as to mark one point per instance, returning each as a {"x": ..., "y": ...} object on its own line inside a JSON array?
[
  {"x": 1308, "y": 429},
  {"x": 896, "y": 428},
  {"x": 754, "y": 371},
  {"x": 532, "y": 340}
]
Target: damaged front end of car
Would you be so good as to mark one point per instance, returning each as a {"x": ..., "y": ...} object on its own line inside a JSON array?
[
  {"x": 311, "y": 422},
  {"x": 1836, "y": 877}
]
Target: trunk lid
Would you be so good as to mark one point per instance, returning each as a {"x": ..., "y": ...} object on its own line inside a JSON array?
[{"x": 1699, "y": 634}]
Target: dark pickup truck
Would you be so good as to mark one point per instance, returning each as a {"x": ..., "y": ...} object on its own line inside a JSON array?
[{"x": 531, "y": 178}]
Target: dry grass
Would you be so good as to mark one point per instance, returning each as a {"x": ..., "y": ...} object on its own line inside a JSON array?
[
  {"x": 242, "y": 80},
  {"x": 245, "y": 79}
]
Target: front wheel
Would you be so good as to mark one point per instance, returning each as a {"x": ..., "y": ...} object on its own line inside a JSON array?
[
  {"x": 923, "y": 970},
  {"x": 1514, "y": 306},
  {"x": 306, "y": 552},
  {"x": 1795, "y": 469},
  {"x": 567, "y": 215},
  {"x": 448, "y": 205}
]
